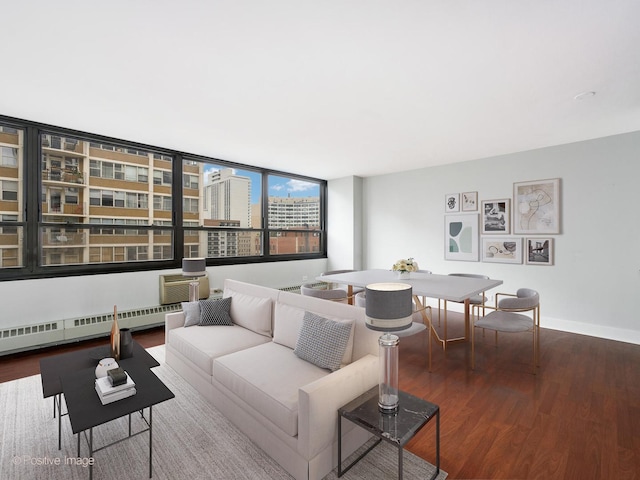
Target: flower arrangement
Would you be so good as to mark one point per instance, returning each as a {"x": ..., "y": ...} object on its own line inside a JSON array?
[{"x": 408, "y": 265}]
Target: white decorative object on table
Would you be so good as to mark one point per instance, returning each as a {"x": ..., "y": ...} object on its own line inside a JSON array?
[
  {"x": 403, "y": 268},
  {"x": 105, "y": 365}
]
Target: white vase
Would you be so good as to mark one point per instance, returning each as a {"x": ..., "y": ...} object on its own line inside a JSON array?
[
  {"x": 403, "y": 275},
  {"x": 104, "y": 365}
]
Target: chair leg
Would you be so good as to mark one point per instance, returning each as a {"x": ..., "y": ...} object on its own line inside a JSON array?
[{"x": 535, "y": 359}]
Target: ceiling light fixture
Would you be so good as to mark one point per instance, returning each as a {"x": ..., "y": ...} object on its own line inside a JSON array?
[{"x": 584, "y": 95}]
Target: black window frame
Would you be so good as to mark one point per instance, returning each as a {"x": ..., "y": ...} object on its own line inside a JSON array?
[{"x": 32, "y": 221}]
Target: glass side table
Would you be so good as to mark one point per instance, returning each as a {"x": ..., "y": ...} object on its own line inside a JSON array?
[{"x": 396, "y": 428}]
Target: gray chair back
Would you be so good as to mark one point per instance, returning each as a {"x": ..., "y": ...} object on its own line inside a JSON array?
[
  {"x": 361, "y": 300},
  {"x": 328, "y": 294},
  {"x": 525, "y": 299}
]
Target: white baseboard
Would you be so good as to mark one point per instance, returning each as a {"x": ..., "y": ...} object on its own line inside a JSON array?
[{"x": 600, "y": 331}]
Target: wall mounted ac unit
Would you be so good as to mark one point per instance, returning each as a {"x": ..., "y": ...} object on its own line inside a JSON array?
[{"x": 175, "y": 288}]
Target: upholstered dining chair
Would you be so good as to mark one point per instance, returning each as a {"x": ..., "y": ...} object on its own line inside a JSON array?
[
  {"x": 519, "y": 312},
  {"x": 334, "y": 294},
  {"x": 417, "y": 324},
  {"x": 337, "y": 285}
]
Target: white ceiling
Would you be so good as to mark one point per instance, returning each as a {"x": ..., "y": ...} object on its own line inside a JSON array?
[{"x": 327, "y": 88}]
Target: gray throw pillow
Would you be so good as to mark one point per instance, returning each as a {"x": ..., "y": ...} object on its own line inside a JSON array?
[
  {"x": 215, "y": 312},
  {"x": 322, "y": 341},
  {"x": 191, "y": 312}
]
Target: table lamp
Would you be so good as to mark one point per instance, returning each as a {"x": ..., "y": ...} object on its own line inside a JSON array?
[
  {"x": 194, "y": 268},
  {"x": 388, "y": 309}
]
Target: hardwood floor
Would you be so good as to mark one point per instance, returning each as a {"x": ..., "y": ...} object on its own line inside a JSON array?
[{"x": 578, "y": 418}]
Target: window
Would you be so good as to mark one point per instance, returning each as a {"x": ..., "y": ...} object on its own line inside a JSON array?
[
  {"x": 71, "y": 196},
  {"x": 88, "y": 206},
  {"x": 94, "y": 168},
  {"x": 162, "y": 177},
  {"x": 161, "y": 202},
  {"x": 106, "y": 170},
  {"x": 294, "y": 216},
  {"x": 9, "y": 157},
  {"x": 9, "y": 190}
]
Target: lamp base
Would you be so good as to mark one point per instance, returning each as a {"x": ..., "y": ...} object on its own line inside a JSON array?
[
  {"x": 388, "y": 403},
  {"x": 194, "y": 291},
  {"x": 388, "y": 388}
]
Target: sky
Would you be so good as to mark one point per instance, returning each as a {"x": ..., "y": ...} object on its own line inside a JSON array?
[{"x": 278, "y": 186}]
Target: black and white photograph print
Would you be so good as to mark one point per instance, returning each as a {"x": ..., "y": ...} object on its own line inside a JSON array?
[
  {"x": 496, "y": 217},
  {"x": 539, "y": 251}
]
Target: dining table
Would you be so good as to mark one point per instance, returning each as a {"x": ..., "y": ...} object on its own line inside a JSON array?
[{"x": 424, "y": 285}]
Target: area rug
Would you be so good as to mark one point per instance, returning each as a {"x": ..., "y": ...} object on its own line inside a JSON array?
[{"x": 191, "y": 439}]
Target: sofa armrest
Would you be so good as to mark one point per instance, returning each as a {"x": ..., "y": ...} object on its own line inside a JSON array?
[
  {"x": 172, "y": 320},
  {"x": 318, "y": 403}
]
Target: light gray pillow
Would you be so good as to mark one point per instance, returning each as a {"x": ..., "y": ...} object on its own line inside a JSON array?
[
  {"x": 191, "y": 312},
  {"x": 215, "y": 312},
  {"x": 322, "y": 341}
]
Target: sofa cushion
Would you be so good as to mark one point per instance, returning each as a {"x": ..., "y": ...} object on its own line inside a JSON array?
[
  {"x": 215, "y": 312},
  {"x": 323, "y": 341},
  {"x": 288, "y": 322},
  {"x": 267, "y": 377},
  {"x": 191, "y": 312},
  {"x": 201, "y": 344},
  {"x": 250, "y": 311}
]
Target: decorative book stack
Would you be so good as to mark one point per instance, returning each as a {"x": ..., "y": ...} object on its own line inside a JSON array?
[{"x": 115, "y": 386}]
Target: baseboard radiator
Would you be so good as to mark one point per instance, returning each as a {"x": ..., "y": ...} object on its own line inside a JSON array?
[
  {"x": 58, "y": 332},
  {"x": 28, "y": 337}
]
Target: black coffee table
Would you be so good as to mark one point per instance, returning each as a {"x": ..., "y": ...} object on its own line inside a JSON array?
[
  {"x": 53, "y": 367},
  {"x": 86, "y": 411},
  {"x": 397, "y": 429}
]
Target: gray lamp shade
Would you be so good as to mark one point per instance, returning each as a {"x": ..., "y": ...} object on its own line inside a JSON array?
[
  {"x": 388, "y": 306},
  {"x": 194, "y": 267}
]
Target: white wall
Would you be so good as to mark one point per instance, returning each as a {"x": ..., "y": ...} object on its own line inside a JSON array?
[
  {"x": 28, "y": 302},
  {"x": 344, "y": 224},
  {"x": 594, "y": 285}
]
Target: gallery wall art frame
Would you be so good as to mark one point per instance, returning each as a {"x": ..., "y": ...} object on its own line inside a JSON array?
[
  {"x": 496, "y": 217},
  {"x": 536, "y": 207},
  {"x": 469, "y": 201},
  {"x": 452, "y": 202},
  {"x": 502, "y": 249},
  {"x": 461, "y": 237},
  {"x": 538, "y": 251}
]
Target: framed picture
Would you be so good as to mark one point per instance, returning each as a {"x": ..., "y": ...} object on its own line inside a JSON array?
[
  {"x": 496, "y": 216},
  {"x": 452, "y": 202},
  {"x": 469, "y": 201},
  {"x": 461, "y": 237},
  {"x": 536, "y": 207},
  {"x": 539, "y": 251},
  {"x": 502, "y": 250}
]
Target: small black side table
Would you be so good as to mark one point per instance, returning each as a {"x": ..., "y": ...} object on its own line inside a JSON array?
[
  {"x": 397, "y": 428},
  {"x": 53, "y": 367},
  {"x": 86, "y": 411}
]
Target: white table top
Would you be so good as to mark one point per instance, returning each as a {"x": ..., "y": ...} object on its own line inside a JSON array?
[{"x": 447, "y": 287}]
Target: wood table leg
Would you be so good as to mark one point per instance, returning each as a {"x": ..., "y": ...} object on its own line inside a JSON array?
[{"x": 467, "y": 320}]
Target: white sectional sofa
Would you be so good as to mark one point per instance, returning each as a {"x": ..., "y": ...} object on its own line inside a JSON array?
[{"x": 249, "y": 371}]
